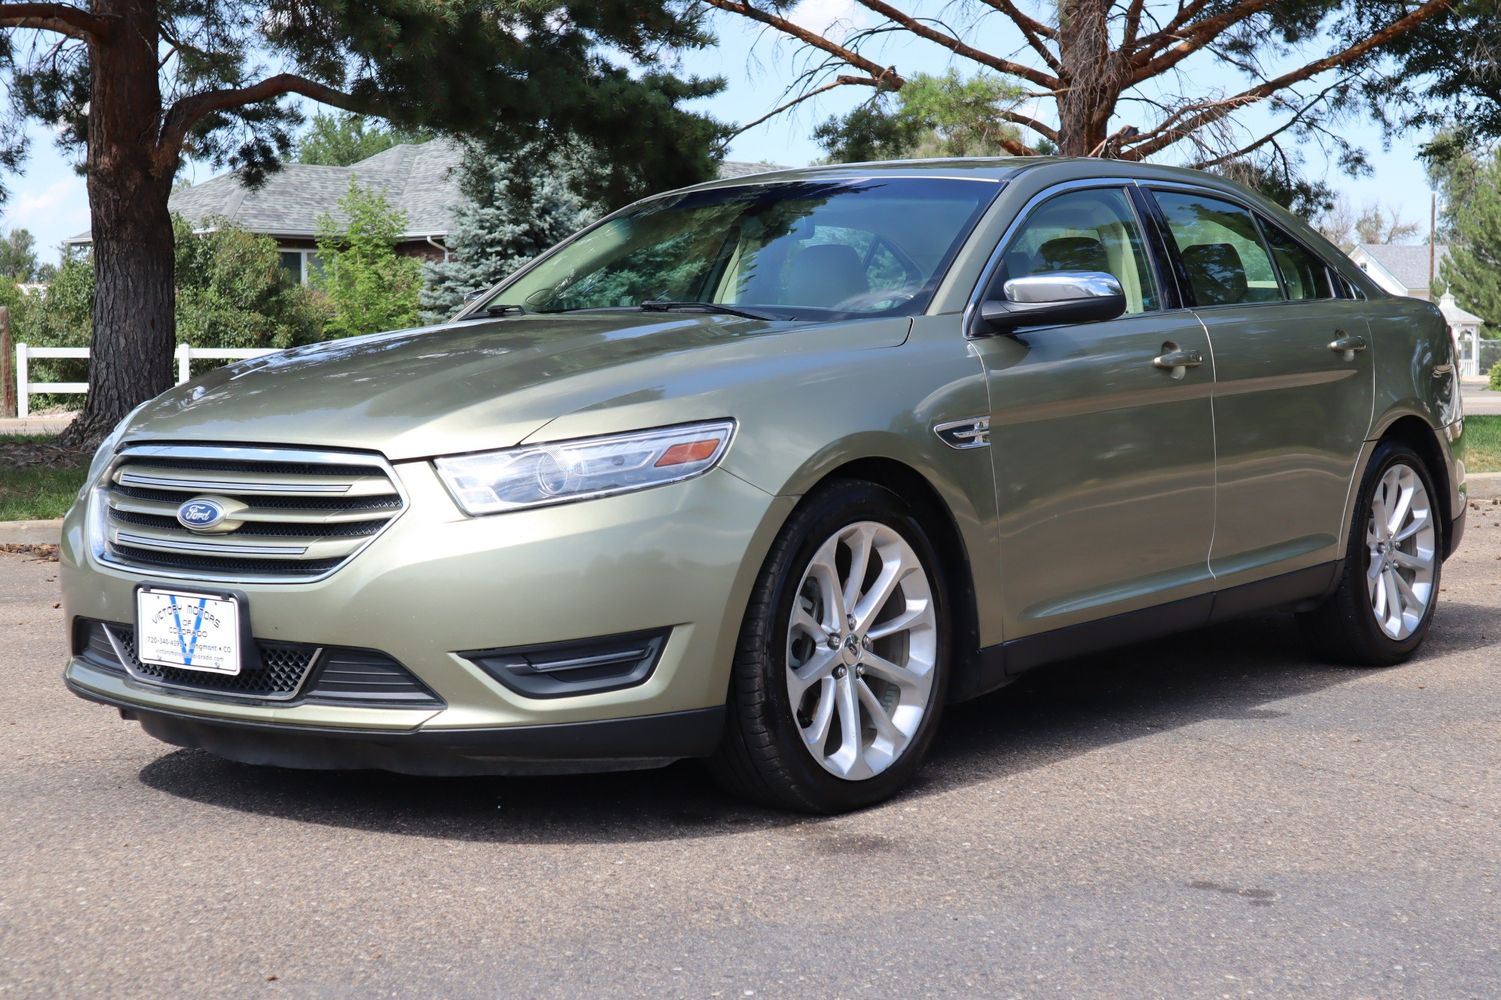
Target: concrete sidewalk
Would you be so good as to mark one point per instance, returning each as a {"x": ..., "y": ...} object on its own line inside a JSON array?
[
  {"x": 52, "y": 423},
  {"x": 1480, "y": 401},
  {"x": 30, "y": 532}
]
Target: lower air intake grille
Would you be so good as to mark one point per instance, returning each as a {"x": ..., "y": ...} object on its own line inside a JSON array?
[
  {"x": 309, "y": 674},
  {"x": 279, "y": 676}
]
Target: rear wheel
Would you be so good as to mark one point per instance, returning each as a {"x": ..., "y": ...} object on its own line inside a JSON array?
[
  {"x": 1386, "y": 596},
  {"x": 841, "y": 667}
]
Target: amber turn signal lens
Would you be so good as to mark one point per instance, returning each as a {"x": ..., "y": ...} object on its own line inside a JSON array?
[{"x": 688, "y": 451}]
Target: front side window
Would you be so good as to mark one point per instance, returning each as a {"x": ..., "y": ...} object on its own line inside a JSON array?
[
  {"x": 1221, "y": 249},
  {"x": 1303, "y": 275},
  {"x": 860, "y": 247},
  {"x": 1090, "y": 230}
]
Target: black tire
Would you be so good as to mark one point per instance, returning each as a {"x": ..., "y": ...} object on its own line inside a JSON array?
[
  {"x": 762, "y": 756},
  {"x": 1343, "y": 629}
]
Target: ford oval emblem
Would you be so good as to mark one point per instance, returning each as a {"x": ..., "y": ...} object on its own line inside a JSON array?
[{"x": 200, "y": 514}]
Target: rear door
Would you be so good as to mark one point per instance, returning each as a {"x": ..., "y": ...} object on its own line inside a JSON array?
[
  {"x": 1293, "y": 384},
  {"x": 1104, "y": 461}
]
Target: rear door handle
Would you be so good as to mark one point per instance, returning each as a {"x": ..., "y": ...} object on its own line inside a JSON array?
[
  {"x": 1345, "y": 345},
  {"x": 1176, "y": 360}
]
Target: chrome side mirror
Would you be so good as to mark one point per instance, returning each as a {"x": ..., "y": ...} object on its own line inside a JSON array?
[{"x": 1052, "y": 299}]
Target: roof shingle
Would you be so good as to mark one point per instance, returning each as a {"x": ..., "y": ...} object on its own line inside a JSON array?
[
  {"x": 1408, "y": 264},
  {"x": 421, "y": 179}
]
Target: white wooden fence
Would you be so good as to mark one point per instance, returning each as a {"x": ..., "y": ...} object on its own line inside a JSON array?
[{"x": 184, "y": 354}]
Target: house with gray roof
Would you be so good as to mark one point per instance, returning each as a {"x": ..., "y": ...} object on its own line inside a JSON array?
[
  {"x": 1399, "y": 268},
  {"x": 420, "y": 179},
  {"x": 1410, "y": 270}
]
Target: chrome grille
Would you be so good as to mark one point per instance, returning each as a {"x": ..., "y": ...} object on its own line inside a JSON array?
[{"x": 292, "y": 515}]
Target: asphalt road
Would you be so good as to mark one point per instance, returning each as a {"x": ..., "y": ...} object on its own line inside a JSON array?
[{"x": 1211, "y": 815}]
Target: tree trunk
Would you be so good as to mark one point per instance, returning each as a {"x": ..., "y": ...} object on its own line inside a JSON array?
[
  {"x": 129, "y": 180},
  {"x": 1090, "y": 76}
]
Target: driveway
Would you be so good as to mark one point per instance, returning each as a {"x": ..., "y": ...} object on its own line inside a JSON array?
[{"x": 1210, "y": 815}]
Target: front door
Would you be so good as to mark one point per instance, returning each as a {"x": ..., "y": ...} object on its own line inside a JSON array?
[
  {"x": 1104, "y": 461},
  {"x": 1294, "y": 386}
]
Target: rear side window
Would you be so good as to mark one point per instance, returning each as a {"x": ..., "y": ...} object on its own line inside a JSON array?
[
  {"x": 1221, "y": 249},
  {"x": 1090, "y": 230},
  {"x": 1303, "y": 275}
]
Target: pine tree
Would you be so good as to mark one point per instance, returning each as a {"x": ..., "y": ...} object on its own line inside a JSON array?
[
  {"x": 132, "y": 87},
  {"x": 1473, "y": 267},
  {"x": 507, "y": 217}
]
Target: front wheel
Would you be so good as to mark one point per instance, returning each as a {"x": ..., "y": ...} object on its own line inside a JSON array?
[
  {"x": 841, "y": 668},
  {"x": 1385, "y": 599}
]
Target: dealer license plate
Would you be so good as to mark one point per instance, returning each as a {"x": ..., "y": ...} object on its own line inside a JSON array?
[{"x": 187, "y": 630}]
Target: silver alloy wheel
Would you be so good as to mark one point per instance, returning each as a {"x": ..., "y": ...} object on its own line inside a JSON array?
[
  {"x": 1403, "y": 549},
  {"x": 861, "y": 649}
]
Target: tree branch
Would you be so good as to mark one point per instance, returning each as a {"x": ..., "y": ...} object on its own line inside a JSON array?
[
  {"x": 1271, "y": 136},
  {"x": 1166, "y": 33},
  {"x": 1162, "y": 137},
  {"x": 954, "y": 45},
  {"x": 839, "y": 81},
  {"x": 1188, "y": 42},
  {"x": 885, "y": 74},
  {"x": 1133, "y": 24},
  {"x": 188, "y": 111},
  {"x": 1016, "y": 147},
  {"x": 65, "y": 19},
  {"x": 1047, "y": 132},
  {"x": 1033, "y": 30}
]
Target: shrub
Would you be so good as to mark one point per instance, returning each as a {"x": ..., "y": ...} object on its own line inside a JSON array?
[
  {"x": 231, "y": 292},
  {"x": 369, "y": 286}
]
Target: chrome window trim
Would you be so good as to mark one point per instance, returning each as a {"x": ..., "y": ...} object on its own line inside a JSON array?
[
  {"x": 1256, "y": 213},
  {"x": 1271, "y": 224},
  {"x": 97, "y": 529},
  {"x": 1266, "y": 247},
  {"x": 987, "y": 273}
]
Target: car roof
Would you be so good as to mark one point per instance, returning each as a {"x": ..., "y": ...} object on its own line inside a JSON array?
[{"x": 994, "y": 168}]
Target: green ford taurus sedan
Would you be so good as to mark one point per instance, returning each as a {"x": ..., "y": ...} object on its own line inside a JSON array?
[{"x": 771, "y": 470}]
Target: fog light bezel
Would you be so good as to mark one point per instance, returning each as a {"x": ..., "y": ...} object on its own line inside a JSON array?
[{"x": 574, "y": 667}]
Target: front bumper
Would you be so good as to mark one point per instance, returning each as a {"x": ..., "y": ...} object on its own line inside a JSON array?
[
  {"x": 560, "y": 748},
  {"x": 679, "y": 559}
]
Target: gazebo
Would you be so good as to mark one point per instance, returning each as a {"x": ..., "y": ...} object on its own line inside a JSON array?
[{"x": 1464, "y": 328}]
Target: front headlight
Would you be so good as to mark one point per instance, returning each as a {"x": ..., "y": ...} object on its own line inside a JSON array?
[
  {"x": 542, "y": 474},
  {"x": 106, "y": 451}
]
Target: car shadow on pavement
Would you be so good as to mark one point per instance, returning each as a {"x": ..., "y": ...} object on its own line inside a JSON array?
[{"x": 1236, "y": 671}]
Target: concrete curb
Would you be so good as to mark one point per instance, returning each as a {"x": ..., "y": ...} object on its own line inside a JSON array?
[
  {"x": 31, "y": 532},
  {"x": 1484, "y": 485}
]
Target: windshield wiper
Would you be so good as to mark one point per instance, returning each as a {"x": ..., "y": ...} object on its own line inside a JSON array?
[
  {"x": 504, "y": 308},
  {"x": 666, "y": 305}
]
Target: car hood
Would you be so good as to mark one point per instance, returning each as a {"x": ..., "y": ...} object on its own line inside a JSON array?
[{"x": 478, "y": 385}]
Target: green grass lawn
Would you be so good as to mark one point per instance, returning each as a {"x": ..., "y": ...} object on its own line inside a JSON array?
[
  {"x": 36, "y": 492},
  {"x": 1483, "y": 444}
]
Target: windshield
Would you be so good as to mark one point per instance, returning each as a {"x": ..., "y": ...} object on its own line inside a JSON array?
[{"x": 803, "y": 249}]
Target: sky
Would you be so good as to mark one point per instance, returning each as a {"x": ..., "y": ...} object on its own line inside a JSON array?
[{"x": 50, "y": 200}]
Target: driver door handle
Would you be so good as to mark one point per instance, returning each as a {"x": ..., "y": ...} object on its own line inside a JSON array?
[
  {"x": 1346, "y": 345},
  {"x": 1177, "y": 361}
]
